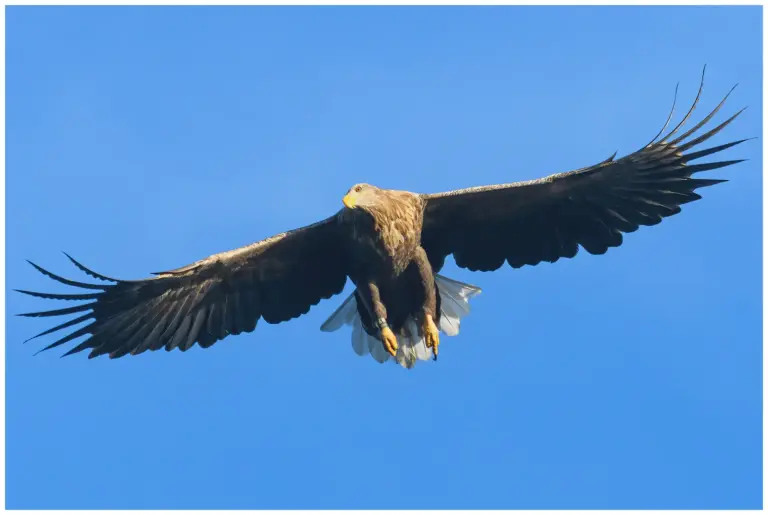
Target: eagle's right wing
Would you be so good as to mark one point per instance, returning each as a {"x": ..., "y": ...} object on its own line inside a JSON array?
[{"x": 276, "y": 279}]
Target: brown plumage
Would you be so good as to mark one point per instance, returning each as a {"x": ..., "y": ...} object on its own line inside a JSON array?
[{"x": 392, "y": 244}]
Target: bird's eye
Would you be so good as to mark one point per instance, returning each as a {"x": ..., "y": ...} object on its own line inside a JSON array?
[{"x": 358, "y": 189}]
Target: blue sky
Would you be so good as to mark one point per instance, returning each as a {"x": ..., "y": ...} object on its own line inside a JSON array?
[{"x": 141, "y": 139}]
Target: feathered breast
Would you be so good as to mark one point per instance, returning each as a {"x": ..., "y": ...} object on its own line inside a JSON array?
[{"x": 391, "y": 228}]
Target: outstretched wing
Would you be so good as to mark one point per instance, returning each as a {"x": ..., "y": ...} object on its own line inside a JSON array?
[
  {"x": 276, "y": 279},
  {"x": 528, "y": 222}
]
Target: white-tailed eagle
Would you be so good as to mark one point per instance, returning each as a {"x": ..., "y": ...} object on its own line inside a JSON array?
[{"x": 392, "y": 245}]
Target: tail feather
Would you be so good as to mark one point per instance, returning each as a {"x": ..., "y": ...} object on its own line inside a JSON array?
[
  {"x": 454, "y": 303},
  {"x": 377, "y": 350},
  {"x": 344, "y": 315},
  {"x": 454, "y": 300},
  {"x": 359, "y": 337}
]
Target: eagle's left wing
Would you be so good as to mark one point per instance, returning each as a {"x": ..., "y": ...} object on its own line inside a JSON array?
[{"x": 525, "y": 223}]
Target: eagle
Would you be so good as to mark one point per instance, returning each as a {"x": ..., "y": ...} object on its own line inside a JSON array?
[{"x": 392, "y": 245}]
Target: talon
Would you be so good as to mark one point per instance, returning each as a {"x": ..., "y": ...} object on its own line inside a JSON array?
[
  {"x": 389, "y": 340},
  {"x": 431, "y": 335}
]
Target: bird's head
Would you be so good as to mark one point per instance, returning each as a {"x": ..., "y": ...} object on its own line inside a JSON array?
[{"x": 360, "y": 196}]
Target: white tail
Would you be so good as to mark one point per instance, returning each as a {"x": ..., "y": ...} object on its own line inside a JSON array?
[{"x": 454, "y": 305}]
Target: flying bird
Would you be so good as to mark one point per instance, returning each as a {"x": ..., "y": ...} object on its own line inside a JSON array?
[{"x": 392, "y": 245}]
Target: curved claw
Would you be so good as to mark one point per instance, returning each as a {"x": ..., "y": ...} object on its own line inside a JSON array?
[
  {"x": 389, "y": 340},
  {"x": 431, "y": 335}
]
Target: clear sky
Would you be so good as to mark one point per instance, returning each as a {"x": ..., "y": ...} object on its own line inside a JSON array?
[{"x": 142, "y": 139}]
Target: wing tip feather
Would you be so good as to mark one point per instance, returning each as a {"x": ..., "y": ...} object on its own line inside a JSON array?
[{"x": 88, "y": 271}]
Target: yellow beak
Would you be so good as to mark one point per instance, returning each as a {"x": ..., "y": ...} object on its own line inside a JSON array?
[{"x": 348, "y": 201}]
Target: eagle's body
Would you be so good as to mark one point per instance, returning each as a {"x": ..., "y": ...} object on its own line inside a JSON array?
[
  {"x": 395, "y": 282},
  {"x": 392, "y": 245}
]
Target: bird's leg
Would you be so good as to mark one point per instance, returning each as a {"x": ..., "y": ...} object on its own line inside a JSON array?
[
  {"x": 429, "y": 308},
  {"x": 431, "y": 334},
  {"x": 378, "y": 313}
]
